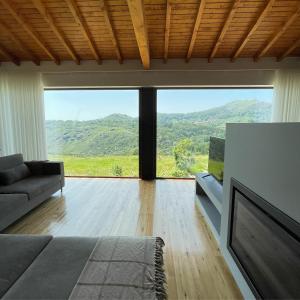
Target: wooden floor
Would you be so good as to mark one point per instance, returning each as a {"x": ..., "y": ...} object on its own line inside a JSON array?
[{"x": 166, "y": 208}]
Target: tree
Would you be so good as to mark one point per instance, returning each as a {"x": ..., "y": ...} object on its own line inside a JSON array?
[{"x": 184, "y": 156}]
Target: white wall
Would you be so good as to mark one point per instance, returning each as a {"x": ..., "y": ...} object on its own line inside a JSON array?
[
  {"x": 159, "y": 78},
  {"x": 198, "y": 72},
  {"x": 266, "y": 159}
]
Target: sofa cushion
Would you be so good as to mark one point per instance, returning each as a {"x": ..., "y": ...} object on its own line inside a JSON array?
[
  {"x": 17, "y": 254},
  {"x": 32, "y": 186},
  {"x": 9, "y": 176},
  {"x": 11, "y": 161},
  {"x": 59, "y": 265}
]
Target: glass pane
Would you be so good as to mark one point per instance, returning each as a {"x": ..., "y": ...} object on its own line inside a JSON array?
[
  {"x": 188, "y": 117},
  {"x": 95, "y": 132}
]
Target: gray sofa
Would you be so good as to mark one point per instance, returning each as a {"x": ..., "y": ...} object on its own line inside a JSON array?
[
  {"x": 41, "y": 267},
  {"x": 25, "y": 185}
]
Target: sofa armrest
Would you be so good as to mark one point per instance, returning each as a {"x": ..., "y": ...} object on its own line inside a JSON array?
[{"x": 47, "y": 168}]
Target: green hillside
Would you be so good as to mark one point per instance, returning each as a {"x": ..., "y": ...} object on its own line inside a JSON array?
[{"x": 117, "y": 134}]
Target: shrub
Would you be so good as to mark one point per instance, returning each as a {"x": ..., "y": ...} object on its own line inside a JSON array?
[{"x": 117, "y": 170}]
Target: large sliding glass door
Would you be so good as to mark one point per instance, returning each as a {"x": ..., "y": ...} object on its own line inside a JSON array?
[
  {"x": 188, "y": 117},
  {"x": 95, "y": 132}
]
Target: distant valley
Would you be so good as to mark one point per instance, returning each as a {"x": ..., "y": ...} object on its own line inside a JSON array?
[{"x": 117, "y": 134}]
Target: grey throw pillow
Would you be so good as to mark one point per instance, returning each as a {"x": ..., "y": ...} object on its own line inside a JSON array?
[{"x": 9, "y": 176}]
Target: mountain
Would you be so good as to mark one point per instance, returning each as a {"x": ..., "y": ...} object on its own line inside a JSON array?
[
  {"x": 241, "y": 111},
  {"x": 117, "y": 134},
  {"x": 199, "y": 126}
]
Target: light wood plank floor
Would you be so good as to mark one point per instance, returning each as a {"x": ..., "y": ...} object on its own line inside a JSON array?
[{"x": 166, "y": 208}]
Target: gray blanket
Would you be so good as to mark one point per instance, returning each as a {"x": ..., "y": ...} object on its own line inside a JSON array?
[{"x": 123, "y": 268}]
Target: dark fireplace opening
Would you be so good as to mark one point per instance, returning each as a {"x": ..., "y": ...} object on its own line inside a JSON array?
[{"x": 265, "y": 244}]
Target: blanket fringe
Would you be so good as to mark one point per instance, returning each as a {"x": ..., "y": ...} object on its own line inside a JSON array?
[{"x": 160, "y": 277}]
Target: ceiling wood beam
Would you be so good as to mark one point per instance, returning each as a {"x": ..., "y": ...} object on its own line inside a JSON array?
[
  {"x": 84, "y": 28},
  {"x": 257, "y": 23},
  {"x": 17, "y": 42},
  {"x": 195, "y": 30},
  {"x": 136, "y": 9},
  {"x": 167, "y": 30},
  {"x": 278, "y": 34},
  {"x": 289, "y": 50},
  {"x": 60, "y": 35},
  {"x": 229, "y": 18},
  {"x": 9, "y": 56},
  {"x": 20, "y": 19},
  {"x": 110, "y": 28}
]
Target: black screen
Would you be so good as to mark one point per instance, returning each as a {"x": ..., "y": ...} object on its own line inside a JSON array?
[{"x": 267, "y": 252}]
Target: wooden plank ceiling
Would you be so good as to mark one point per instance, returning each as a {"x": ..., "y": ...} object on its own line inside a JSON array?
[{"x": 59, "y": 30}]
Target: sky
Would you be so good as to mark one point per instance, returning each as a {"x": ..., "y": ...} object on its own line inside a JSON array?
[{"x": 94, "y": 104}]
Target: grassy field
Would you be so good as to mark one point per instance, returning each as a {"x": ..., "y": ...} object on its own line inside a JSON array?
[{"x": 121, "y": 165}]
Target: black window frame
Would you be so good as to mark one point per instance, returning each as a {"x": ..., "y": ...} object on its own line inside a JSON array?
[
  {"x": 99, "y": 89},
  {"x": 271, "y": 87},
  {"x": 148, "y": 123}
]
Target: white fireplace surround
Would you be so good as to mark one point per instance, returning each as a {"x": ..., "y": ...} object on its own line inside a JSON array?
[{"x": 265, "y": 158}]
